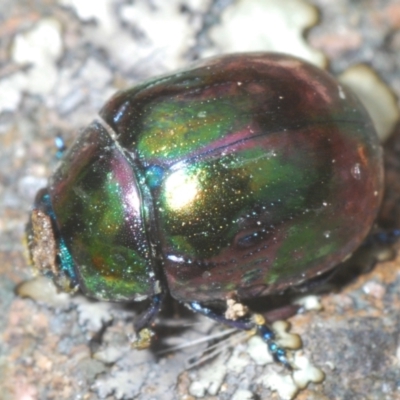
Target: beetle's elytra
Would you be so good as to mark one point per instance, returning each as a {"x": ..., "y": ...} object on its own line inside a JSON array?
[{"x": 238, "y": 177}]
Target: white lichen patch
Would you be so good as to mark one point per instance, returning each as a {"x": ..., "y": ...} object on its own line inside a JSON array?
[
  {"x": 209, "y": 380},
  {"x": 284, "y": 338},
  {"x": 310, "y": 303},
  {"x": 156, "y": 35},
  {"x": 10, "y": 91},
  {"x": 258, "y": 351},
  {"x": 39, "y": 45},
  {"x": 376, "y": 97},
  {"x": 101, "y": 13},
  {"x": 111, "y": 354},
  {"x": 305, "y": 372},
  {"x": 267, "y": 25},
  {"x": 198, "y": 388},
  {"x": 93, "y": 315},
  {"x": 162, "y": 24},
  {"x": 243, "y": 394},
  {"x": 237, "y": 362},
  {"x": 284, "y": 385},
  {"x": 287, "y": 385},
  {"x": 122, "y": 384},
  {"x": 43, "y": 290},
  {"x": 36, "y": 51}
]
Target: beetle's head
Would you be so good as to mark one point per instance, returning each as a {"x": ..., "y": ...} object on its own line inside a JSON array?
[{"x": 47, "y": 251}]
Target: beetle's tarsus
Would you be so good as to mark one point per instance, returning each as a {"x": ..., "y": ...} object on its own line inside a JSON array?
[
  {"x": 252, "y": 322},
  {"x": 278, "y": 353}
]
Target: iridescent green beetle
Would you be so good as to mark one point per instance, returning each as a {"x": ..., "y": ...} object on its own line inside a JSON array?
[{"x": 236, "y": 178}]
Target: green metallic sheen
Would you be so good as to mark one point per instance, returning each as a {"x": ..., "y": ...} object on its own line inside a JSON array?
[
  {"x": 262, "y": 170},
  {"x": 99, "y": 214}
]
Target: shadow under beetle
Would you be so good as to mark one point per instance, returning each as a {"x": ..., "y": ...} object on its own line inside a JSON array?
[{"x": 239, "y": 177}]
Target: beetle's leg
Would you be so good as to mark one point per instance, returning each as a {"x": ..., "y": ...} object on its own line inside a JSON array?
[
  {"x": 384, "y": 237},
  {"x": 144, "y": 334},
  {"x": 247, "y": 323},
  {"x": 145, "y": 319}
]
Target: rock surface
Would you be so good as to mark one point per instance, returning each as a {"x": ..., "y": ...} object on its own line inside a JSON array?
[{"x": 59, "y": 62}]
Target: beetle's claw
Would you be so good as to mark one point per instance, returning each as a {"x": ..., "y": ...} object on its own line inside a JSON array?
[{"x": 279, "y": 355}]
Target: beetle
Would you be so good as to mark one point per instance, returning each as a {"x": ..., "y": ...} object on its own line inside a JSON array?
[{"x": 236, "y": 178}]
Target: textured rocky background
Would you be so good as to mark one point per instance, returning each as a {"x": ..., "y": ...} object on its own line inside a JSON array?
[{"x": 59, "y": 62}]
